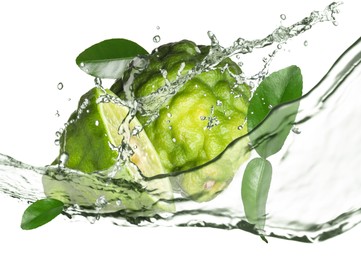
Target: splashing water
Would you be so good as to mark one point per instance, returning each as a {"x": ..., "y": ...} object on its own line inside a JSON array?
[{"x": 314, "y": 194}]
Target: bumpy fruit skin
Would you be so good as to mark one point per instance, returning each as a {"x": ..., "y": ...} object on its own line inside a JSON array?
[{"x": 196, "y": 124}]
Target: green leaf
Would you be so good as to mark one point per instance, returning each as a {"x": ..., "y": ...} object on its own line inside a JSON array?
[
  {"x": 40, "y": 213},
  {"x": 278, "y": 88},
  {"x": 109, "y": 58},
  {"x": 255, "y": 186}
]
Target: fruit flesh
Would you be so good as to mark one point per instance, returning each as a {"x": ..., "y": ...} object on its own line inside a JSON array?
[{"x": 88, "y": 139}]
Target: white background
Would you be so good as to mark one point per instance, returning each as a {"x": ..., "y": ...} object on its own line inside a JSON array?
[{"x": 39, "y": 43}]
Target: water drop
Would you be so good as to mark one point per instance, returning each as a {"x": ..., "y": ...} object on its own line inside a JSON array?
[
  {"x": 209, "y": 184},
  {"x": 296, "y": 130},
  {"x": 119, "y": 203},
  {"x": 63, "y": 159},
  {"x": 174, "y": 140},
  {"x": 169, "y": 115},
  {"x": 156, "y": 39},
  {"x": 219, "y": 103},
  {"x": 69, "y": 99},
  {"x": 101, "y": 202},
  {"x": 96, "y": 122},
  {"x": 305, "y": 43},
  {"x": 57, "y": 133},
  {"x": 170, "y": 127},
  {"x": 60, "y": 86},
  {"x": 283, "y": 16},
  {"x": 270, "y": 106},
  {"x": 279, "y": 46},
  {"x": 202, "y": 117},
  {"x": 158, "y": 27},
  {"x": 335, "y": 23},
  {"x": 82, "y": 64},
  {"x": 98, "y": 81},
  {"x": 57, "y": 113},
  {"x": 240, "y": 63},
  {"x": 57, "y": 142}
]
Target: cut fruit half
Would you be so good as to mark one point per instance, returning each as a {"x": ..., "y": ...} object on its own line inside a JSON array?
[{"x": 91, "y": 144}]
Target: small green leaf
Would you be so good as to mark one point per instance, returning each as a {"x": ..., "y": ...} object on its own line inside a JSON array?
[
  {"x": 255, "y": 186},
  {"x": 109, "y": 58},
  {"x": 40, "y": 213},
  {"x": 278, "y": 88}
]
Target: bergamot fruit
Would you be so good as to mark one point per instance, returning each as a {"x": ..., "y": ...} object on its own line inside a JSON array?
[
  {"x": 197, "y": 123},
  {"x": 88, "y": 143}
]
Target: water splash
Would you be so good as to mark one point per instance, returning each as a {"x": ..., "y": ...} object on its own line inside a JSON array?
[{"x": 298, "y": 192}]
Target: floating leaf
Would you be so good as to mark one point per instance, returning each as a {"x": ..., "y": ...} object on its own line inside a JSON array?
[
  {"x": 255, "y": 186},
  {"x": 109, "y": 58},
  {"x": 40, "y": 213},
  {"x": 278, "y": 88}
]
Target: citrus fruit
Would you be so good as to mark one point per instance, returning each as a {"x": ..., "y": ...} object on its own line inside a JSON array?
[
  {"x": 91, "y": 143},
  {"x": 197, "y": 123}
]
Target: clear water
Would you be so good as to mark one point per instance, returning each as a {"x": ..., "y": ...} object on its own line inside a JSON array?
[{"x": 315, "y": 187}]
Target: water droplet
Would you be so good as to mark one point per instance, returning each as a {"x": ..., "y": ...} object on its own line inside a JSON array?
[
  {"x": 57, "y": 142},
  {"x": 219, "y": 103},
  {"x": 174, "y": 140},
  {"x": 57, "y": 114},
  {"x": 156, "y": 39},
  {"x": 209, "y": 184},
  {"x": 88, "y": 111},
  {"x": 170, "y": 127},
  {"x": 82, "y": 64},
  {"x": 283, "y": 16},
  {"x": 305, "y": 43},
  {"x": 158, "y": 27},
  {"x": 98, "y": 81},
  {"x": 101, "y": 202},
  {"x": 60, "y": 86},
  {"x": 96, "y": 122},
  {"x": 270, "y": 106},
  {"x": 119, "y": 203},
  {"x": 63, "y": 159},
  {"x": 169, "y": 115},
  {"x": 202, "y": 117},
  {"x": 57, "y": 133},
  {"x": 238, "y": 56},
  {"x": 69, "y": 99},
  {"x": 335, "y": 23},
  {"x": 240, "y": 127},
  {"x": 240, "y": 63},
  {"x": 279, "y": 46},
  {"x": 296, "y": 130}
]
